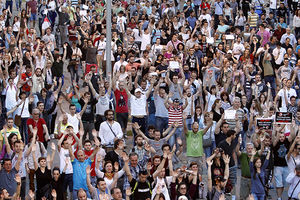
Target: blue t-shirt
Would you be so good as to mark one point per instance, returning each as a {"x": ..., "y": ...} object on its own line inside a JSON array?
[
  {"x": 7, "y": 181},
  {"x": 79, "y": 174}
]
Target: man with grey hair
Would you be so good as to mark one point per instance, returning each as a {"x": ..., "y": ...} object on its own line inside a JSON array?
[
  {"x": 244, "y": 157},
  {"x": 64, "y": 19},
  {"x": 290, "y": 35}
]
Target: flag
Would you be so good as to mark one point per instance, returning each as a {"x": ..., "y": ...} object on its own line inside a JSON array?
[{"x": 46, "y": 23}]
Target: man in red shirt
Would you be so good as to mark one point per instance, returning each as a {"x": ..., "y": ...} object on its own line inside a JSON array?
[
  {"x": 42, "y": 131},
  {"x": 121, "y": 103},
  {"x": 72, "y": 31},
  {"x": 26, "y": 79},
  {"x": 32, "y": 7}
]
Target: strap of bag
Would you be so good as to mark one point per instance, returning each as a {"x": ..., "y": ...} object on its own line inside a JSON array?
[
  {"x": 22, "y": 107},
  {"x": 294, "y": 189},
  {"x": 111, "y": 129},
  {"x": 262, "y": 183}
]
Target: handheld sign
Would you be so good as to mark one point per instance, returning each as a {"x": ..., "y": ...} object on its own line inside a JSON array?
[
  {"x": 264, "y": 123},
  {"x": 283, "y": 118}
]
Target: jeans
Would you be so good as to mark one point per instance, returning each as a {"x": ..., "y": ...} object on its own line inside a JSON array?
[
  {"x": 271, "y": 80},
  {"x": 258, "y": 196},
  {"x": 73, "y": 72},
  {"x": 68, "y": 182},
  {"x": 10, "y": 4},
  {"x": 99, "y": 120},
  {"x": 88, "y": 127},
  {"x": 151, "y": 119},
  {"x": 63, "y": 34},
  {"x": 245, "y": 188},
  {"x": 122, "y": 119},
  {"x": 24, "y": 130},
  {"x": 232, "y": 175},
  {"x": 177, "y": 134},
  {"x": 208, "y": 150},
  {"x": 23, "y": 188},
  {"x": 142, "y": 122},
  {"x": 189, "y": 123},
  {"x": 161, "y": 123},
  {"x": 18, "y": 4}
]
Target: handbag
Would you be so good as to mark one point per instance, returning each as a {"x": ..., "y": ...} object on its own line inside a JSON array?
[
  {"x": 207, "y": 142},
  {"x": 18, "y": 119}
]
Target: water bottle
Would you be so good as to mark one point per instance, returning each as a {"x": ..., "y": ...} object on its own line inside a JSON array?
[{"x": 201, "y": 190}]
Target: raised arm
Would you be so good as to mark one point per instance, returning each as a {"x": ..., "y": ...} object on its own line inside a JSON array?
[
  {"x": 138, "y": 130},
  {"x": 51, "y": 158},
  {"x": 209, "y": 177},
  {"x": 175, "y": 125}
]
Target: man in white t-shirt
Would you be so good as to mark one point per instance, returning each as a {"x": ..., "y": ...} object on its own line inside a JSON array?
[
  {"x": 72, "y": 116},
  {"x": 138, "y": 106},
  {"x": 288, "y": 91}
]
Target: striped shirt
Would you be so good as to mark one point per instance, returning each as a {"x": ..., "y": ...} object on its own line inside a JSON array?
[
  {"x": 175, "y": 115},
  {"x": 253, "y": 18}
]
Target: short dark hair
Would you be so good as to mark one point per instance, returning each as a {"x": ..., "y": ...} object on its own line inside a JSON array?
[
  {"x": 165, "y": 145},
  {"x": 117, "y": 142},
  {"x": 230, "y": 133},
  {"x": 107, "y": 111},
  {"x": 99, "y": 179},
  {"x": 112, "y": 191},
  {"x": 137, "y": 136}
]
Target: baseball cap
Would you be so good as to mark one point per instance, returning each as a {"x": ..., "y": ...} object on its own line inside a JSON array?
[{"x": 137, "y": 90}]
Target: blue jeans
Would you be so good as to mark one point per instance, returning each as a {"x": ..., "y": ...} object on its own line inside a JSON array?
[
  {"x": 208, "y": 150},
  {"x": 10, "y": 4},
  {"x": 271, "y": 80},
  {"x": 142, "y": 122},
  {"x": 178, "y": 134},
  {"x": 258, "y": 196},
  {"x": 161, "y": 123},
  {"x": 232, "y": 175},
  {"x": 68, "y": 182},
  {"x": 151, "y": 119},
  {"x": 189, "y": 123}
]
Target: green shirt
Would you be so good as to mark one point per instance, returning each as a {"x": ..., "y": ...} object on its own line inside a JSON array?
[
  {"x": 194, "y": 147},
  {"x": 245, "y": 168}
]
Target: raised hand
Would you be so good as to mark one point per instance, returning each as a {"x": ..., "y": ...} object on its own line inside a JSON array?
[
  {"x": 53, "y": 147},
  {"x": 53, "y": 193},
  {"x": 18, "y": 178},
  {"x": 226, "y": 159},
  {"x": 88, "y": 170},
  {"x": 116, "y": 166},
  {"x": 210, "y": 162},
  {"x": 94, "y": 133}
]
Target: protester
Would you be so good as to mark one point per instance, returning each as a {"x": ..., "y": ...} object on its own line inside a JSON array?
[{"x": 187, "y": 81}]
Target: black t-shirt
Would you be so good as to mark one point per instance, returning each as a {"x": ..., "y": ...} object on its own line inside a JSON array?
[
  {"x": 141, "y": 191},
  {"x": 88, "y": 115},
  {"x": 229, "y": 149},
  {"x": 220, "y": 137},
  {"x": 280, "y": 151},
  {"x": 42, "y": 179}
]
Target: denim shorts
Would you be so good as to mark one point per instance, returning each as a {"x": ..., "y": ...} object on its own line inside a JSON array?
[
  {"x": 280, "y": 174},
  {"x": 33, "y": 17}
]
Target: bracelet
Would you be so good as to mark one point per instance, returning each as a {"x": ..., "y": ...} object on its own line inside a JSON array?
[{"x": 18, "y": 183}]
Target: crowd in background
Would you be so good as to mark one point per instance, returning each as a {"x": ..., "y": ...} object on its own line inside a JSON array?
[{"x": 201, "y": 94}]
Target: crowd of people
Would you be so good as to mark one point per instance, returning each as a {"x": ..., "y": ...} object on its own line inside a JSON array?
[{"x": 198, "y": 92}]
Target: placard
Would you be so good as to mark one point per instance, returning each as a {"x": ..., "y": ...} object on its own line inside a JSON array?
[
  {"x": 174, "y": 65},
  {"x": 264, "y": 123},
  {"x": 229, "y": 114},
  {"x": 283, "y": 117}
]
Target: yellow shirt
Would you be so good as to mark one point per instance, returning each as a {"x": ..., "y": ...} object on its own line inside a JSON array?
[{"x": 10, "y": 131}]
